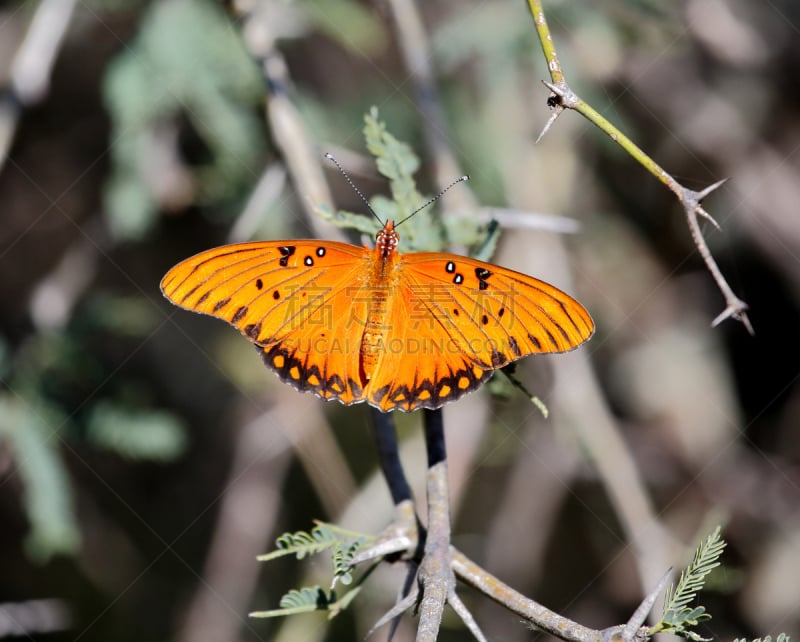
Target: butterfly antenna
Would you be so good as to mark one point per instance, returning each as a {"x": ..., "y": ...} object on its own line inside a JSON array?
[
  {"x": 434, "y": 199},
  {"x": 353, "y": 185}
]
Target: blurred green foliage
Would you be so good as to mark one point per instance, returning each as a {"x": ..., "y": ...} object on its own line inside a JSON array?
[
  {"x": 32, "y": 428},
  {"x": 187, "y": 62},
  {"x": 56, "y": 398},
  {"x": 135, "y": 433}
]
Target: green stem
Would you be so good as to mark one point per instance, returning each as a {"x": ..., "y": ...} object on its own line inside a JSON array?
[{"x": 546, "y": 40}]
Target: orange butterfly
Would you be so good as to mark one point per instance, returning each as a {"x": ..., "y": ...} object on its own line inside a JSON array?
[{"x": 399, "y": 331}]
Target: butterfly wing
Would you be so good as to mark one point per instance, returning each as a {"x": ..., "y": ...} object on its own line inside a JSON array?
[
  {"x": 456, "y": 319},
  {"x": 298, "y": 301}
]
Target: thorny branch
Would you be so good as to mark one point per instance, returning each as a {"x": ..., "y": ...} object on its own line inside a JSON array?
[{"x": 564, "y": 98}]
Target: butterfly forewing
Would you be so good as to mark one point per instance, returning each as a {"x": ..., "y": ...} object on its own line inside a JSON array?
[
  {"x": 297, "y": 300},
  {"x": 497, "y": 311}
]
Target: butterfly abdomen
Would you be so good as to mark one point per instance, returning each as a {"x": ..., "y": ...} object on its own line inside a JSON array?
[{"x": 378, "y": 291}]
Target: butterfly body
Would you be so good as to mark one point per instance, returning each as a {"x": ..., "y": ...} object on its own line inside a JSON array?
[{"x": 399, "y": 331}]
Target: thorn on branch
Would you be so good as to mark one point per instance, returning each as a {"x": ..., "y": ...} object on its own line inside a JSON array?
[
  {"x": 559, "y": 109},
  {"x": 636, "y": 622},
  {"x": 699, "y": 210},
  {"x": 699, "y": 196},
  {"x": 736, "y": 309}
]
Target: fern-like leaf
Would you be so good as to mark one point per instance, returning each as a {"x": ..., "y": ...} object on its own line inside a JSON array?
[
  {"x": 397, "y": 162},
  {"x": 302, "y": 543},
  {"x": 313, "y": 597},
  {"x": 678, "y": 617},
  {"x": 304, "y": 600}
]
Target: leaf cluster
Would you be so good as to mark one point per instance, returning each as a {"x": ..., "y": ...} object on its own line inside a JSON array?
[
  {"x": 396, "y": 160},
  {"x": 343, "y": 545}
]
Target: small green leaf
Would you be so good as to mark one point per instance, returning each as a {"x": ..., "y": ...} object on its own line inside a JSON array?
[
  {"x": 302, "y": 543},
  {"x": 313, "y": 596},
  {"x": 342, "y": 561}
]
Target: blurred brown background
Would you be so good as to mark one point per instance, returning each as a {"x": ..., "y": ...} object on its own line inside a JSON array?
[{"x": 146, "y": 456}]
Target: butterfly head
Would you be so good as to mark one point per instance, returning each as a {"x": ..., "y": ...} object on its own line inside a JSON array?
[{"x": 387, "y": 240}]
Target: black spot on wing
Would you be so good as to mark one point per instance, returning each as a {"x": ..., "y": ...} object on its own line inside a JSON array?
[
  {"x": 301, "y": 376},
  {"x": 483, "y": 275},
  {"x": 567, "y": 314},
  {"x": 286, "y": 252},
  {"x": 354, "y": 387},
  {"x": 498, "y": 358},
  {"x": 191, "y": 292},
  {"x": 433, "y": 395},
  {"x": 252, "y": 331},
  {"x": 220, "y": 304},
  {"x": 239, "y": 314}
]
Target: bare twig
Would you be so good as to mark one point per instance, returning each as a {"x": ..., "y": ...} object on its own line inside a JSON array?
[
  {"x": 542, "y": 617},
  {"x": 397, "y": 610},
  {"x": 414, "y": 45},
  {"x": 636, "y": 621},
  {"x": 248, "y": 512},
  {"x": 436, "y": 578},
  {"x": 290, "y": 134},
  {"x": 266, "y": 192},
  {"x": 33, "y": 62},
  {"x": 32, "y": 617},
  {"x": 564, "y": 98},
  {"x": 513, "y": 219}
]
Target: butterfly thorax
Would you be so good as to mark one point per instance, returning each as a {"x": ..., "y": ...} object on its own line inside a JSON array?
[{"x": 387, "y": 240}]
